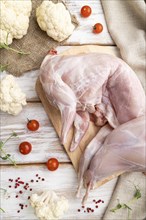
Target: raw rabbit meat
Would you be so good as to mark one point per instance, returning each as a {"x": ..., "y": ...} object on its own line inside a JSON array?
[
  {"x": 123, "y": 150},
  {"x": 98, "y": 84},
  {"x": 105, "y": 87}
]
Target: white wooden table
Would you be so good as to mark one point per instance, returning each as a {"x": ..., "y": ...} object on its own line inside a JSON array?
[{"x": 45, "y": 141}]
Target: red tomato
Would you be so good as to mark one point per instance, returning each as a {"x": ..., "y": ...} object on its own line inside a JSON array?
[
  {"x": 97, "y": 28},
  {"x": 52, "y": 164},
  {"x": 33, "y": 125},
  {"x": 86, "y": 11},
  {"x": 25, "y": 148}
]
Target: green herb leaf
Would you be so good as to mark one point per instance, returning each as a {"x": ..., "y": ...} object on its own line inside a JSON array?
[
  {"x": 126, "y": 206},
  {"x": 137, "y": 194},
  {"x": 6, "y": 157},
  {"x": 118, "y": 206},
  {"x": 3, "y": 189},
  {"x": 2, "y": 209},
  {"x": 1, "y": 144},
  {"x": 3, "y": 154}
]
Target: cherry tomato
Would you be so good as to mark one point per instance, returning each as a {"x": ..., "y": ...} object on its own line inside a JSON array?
[
  {"x": 25, "y": 148},
  {"x": 33, "y": 125},
  {"x": 52, "y": 164},
  {"x": 86, "y": 11},
  {"x": 97, "y": 28}
]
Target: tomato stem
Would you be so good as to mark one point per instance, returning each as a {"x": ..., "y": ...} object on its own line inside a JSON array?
[{"x": 28, "y": 120}]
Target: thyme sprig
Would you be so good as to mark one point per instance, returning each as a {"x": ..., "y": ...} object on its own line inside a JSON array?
[
  {"x": 7, "y": 156},
  {"x": 2, "y": 210},
  {"x": 7, "y": 47},
  {"x": 3, "y": 67},
  {"x": 137, "y": 195}
]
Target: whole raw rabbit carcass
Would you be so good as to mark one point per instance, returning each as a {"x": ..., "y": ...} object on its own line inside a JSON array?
[{"x": 97, "y": 84}]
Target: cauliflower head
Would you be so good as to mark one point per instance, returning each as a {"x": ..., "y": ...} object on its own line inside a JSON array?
[
  {"x": 49, "y": 205},
  {"x": 11, "y": 97},
  {"x": 14, "y": 20},
  {"x": 55, "y": 19}
]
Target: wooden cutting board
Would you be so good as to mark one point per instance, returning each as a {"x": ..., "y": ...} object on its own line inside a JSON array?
[{"x": 54, "y": 116}]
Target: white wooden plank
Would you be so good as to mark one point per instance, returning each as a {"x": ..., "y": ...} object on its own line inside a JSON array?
[
  {"x": 83, "y": 33},
  {"x": 63, "y": 181},
  {"x": 45, "y": 142},
  {"x": 27, "y": 84}
]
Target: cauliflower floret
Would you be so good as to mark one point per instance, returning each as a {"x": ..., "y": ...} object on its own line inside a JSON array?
[
  {"x": 11, "y": 96},
  {"x": 5, "y": 37},
  {"x": 48, "y": 205},
  {"x": 55, "y": 19},
  {"x": 14, "y": 19}
]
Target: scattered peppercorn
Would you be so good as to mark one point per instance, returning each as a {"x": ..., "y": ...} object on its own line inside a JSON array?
[
  {"x": 88, "y": 209},
  {"x": 22, "y": 185}
]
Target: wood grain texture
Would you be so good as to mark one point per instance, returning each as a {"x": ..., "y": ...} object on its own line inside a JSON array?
[
  {"x": 83, "y": 33},
  {"x": 63, "y": 181},
  {"x": 45, "y": 141}
]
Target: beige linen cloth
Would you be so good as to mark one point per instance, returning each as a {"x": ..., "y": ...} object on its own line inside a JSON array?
[{"x": 126, "y": 21}]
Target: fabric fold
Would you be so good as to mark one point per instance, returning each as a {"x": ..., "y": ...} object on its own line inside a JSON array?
[{"x": 126, "y": 22}]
